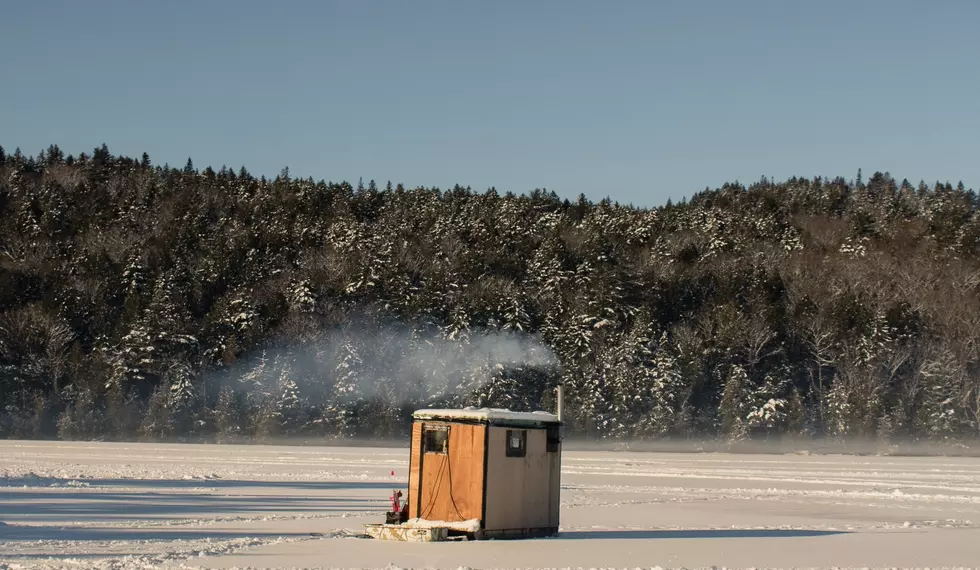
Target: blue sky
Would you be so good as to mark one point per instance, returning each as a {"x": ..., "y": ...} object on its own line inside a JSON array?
[{"x": 639, "y": 100}]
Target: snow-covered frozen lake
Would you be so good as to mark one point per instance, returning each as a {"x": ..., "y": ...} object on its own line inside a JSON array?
[{"x": 109, "y": 505}]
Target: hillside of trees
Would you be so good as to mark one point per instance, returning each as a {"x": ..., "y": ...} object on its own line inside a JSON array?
[{"x": 147, "y": 302}]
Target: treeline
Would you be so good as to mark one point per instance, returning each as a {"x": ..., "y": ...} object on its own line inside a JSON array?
[{"x": 176, "y": 303}]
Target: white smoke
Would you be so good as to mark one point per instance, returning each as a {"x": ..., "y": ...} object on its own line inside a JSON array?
[{"x": 396, "y": 362}]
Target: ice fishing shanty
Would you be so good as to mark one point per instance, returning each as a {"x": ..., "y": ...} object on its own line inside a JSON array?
[
  {"x": 479, "y": 473},
  {"x": 497, "y": 470}
]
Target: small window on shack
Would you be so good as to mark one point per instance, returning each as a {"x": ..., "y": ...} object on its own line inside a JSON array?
[
  {"x": 436, "y": 439},
  {"x": 516, "y": 442}
]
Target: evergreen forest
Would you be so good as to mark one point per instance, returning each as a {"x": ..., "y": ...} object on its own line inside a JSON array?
[{"x": 146, "y": 302}]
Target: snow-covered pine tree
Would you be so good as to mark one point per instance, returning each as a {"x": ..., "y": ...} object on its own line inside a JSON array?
[
  {"x": 83, "y": 418},
  {"x": 227, "y": 416},
  {"x": 184, "y": 400},
  {"x": 769, "y": 407},
  {"x": 301, "y": 297},
  {"x": 626, "y": 367},
  {"x": 290, "y": 406},
  {"x": 940, "y": 414},
  {"x": 123, "y": 411},
  {"x": 796, "y": 423},
  {"x": 157, "y": 423},
  {"x": 735, "y": 400},
  {"x": 663, "y": 392},
  {"x": 347, "y": 396}
]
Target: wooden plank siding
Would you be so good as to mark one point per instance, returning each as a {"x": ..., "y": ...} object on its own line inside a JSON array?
[
  {"x": 413, "y": 471},
  {"x": 451, "y": 486}
]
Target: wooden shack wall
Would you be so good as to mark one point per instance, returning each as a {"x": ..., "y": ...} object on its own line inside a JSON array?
[
  {"x": 448, "y": 487},
  {"x": 414, "y": 470},
  {"x": 522, "y": 492},
  {"x": 554, "y": 490}
]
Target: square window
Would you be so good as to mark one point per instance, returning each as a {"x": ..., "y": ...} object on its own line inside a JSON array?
[
  {"x": 435, "y": 439},
  {"x": 516, "y": 443}
]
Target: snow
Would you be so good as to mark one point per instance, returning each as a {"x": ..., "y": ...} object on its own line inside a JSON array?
[
  {"x": 485, "y": 414},
  {"x": 126, "y": 506},
  {"x": 471, "y": 525}
]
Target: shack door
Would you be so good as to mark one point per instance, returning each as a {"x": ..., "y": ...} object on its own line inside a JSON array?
[{"x": 450, "y": 472}]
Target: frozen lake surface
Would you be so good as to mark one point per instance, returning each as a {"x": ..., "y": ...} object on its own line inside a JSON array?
[{"x": 123, "y": 505}]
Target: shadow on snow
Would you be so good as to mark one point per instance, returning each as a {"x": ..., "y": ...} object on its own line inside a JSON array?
[
  {"x": 36, "y": 533},
  {"x": 695, "y": 533},
  {"x": 45, "y": 482},
  {"x": 39, "y": 501}
]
